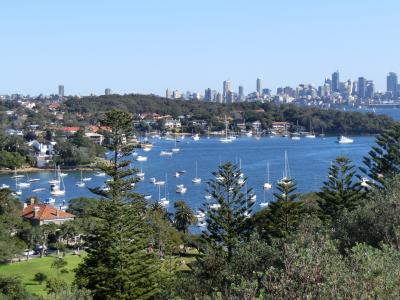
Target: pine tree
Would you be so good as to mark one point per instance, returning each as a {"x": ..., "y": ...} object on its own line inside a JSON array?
[
  {"x": 183, "y": 216},
  {"x": 117, "y": 265},
  {"x": 284, "y": 214},
  {"x": 384, "y": 160},
  {"x": 227, "y": 220},
  {"x": 339, "y": 192}
]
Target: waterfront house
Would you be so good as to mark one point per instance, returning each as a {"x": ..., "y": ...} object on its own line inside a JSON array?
[{"x": 39, "y": 214}]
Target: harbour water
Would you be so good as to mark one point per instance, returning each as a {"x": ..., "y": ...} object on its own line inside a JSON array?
[{"x": 309, "y": 160}]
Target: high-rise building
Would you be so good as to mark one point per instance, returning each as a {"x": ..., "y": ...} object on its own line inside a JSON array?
[
  {"x": 168, "y": 94},
  {"x": 208, "y": 95},
  {"x": 241, "y": 93},
  {"x": 391, "y": 83},
  {"x": 362, "y": 87},
  {"x": 259, "y": 86},
  {"x": 107, "y": 92},
  {"x": 335, "y": 82},
  {"x": 227, "y": 87},
  {"x": 61, "y": 91},
  {"x": 370, "y": 89}
]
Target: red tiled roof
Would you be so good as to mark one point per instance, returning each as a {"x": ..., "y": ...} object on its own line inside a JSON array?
[
  {"x": 71, "y": 129},
  {"x": 45, "y": 212}
]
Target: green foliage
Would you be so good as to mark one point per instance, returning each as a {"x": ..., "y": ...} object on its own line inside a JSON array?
[
  {"x": 56, "y": 286},
  {"x": 117, "y": 265},
  {"x": 282, "y": 216},
  {"x": 40, "y": 277},
  {"x": 227, "y": 223},
  {"x": 183, "y": 216},
  {"x": 59, "y": 263},
  {"x": 83, "y": 207},
  {"x": 11, "y": 160},
  {"x": 339, "y": 193},
  {"x": 11, "y": 288},
  {"x": 384, "y": 160}
]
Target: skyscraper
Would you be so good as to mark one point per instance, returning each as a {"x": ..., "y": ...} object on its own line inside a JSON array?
[
  {"x": 107, "y": 92},
  {"x": 259, "y": 86},
  {"x": 227, "y": 87},
  {"x": 370, "y": 89},
  {"x": 335, "y": 82},
  {"x": 168, "y": 94},
  {"x": 208, "y": 95},
  {"x": 362, "y": 87},
  {"x": 241, "y": 93},
  {"x": 61, "y": 91},
  {"x": 391, "y": 83}
]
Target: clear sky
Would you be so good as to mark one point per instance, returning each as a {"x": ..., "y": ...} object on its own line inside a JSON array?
[{"x": 148, "y": 46}]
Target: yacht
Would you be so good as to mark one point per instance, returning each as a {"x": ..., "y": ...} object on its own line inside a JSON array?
[
  {"x": 100, "y": 174},
  {"x": 160, "y": 182},
  {"x": 249, "y": 134},
  {"x": 152, "y": 180},
  {"x": 311, "y": 134},
  {"x": 208, "y": 197},
  {"x": 141, "y": 158},
  {"x": 147, "y": 197},
  {"x": 4, "y": 186},
  {"x": 181, "y": 189},
  {"x": 226, "y": 139},
  {"x": 166, "y": 153},
  {"x": 38, "y": 190},
  {"x": 345, "y": 140},
  {"x": 177, "y": 174},
  {"x": 15, "y": 176},
  {"x": 80, "y": 183},
  {"x": 34, "y": 180},
  {"x": 197, "y": 179},
  {"x": 175, "y": 149},
  {"x": 58, "y": 189},
  {"x": 23, "y": 185},
  {"x": 195, "y": 137},
  {"x": 87, "y": 178},
  {"x": 215, "y": 206},
  {"x": 267, "y": 185}
]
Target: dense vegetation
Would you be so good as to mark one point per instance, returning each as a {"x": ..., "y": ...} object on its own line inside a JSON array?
[
  {"x": 341, "y": 242},
  {"x": 331, "y": 121}
]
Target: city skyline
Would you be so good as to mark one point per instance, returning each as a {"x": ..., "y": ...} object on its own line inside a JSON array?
[{"x": 147, "y": 47}]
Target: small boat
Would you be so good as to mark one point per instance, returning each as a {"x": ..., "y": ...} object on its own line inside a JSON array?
[
  {"x": 4, "y": 186},
  {"x": 18, "y": 193},
  {"x": 264, "y": 204},
  {"x": 182, "y": 172},
  {"x": 135, "y": 153},
  {"x": 152, "y": 180},
  {"x": 147, "y": 197},
  {"x": 200, "y": 216},
  {"x": 141, "y": 158},
  {"x": 38, "y": 190},
  {"x": 87, "y": 178},
  {"x": 54, "y": 181},
  {"x": 159, "y": 182},
  {"x": 365, "y": 182},
  {"x": 267, "y": 185},
  {"x": 140, "y": 174},
  {"x": 249, "y": 134},
  {"x": 146, "y": 149},
  {"x": 34, "y": 180},
  {"x": 295, "y": 138},
  {"x": 166, "y": 153},
  {"x": 80, "y": 183},
  {"x": 23, "y": 185},
  {"x": 215, "y": 206},
  {"x": 177, "y": 174},
  {"x": 195, "y": 137},
  {"x": 16, "y": 176},
  {"x": 345, "y": 140},
  {"x": 253, "y": 198},
  {"x": 100, "y": 174},
  {"x": 226, "y": 139},
  {"x": 207, "y": 197},
  {"x": 181, "y": 189},
  {"x": 175, "y": 149},
  {"x": 63, "y": 174},
  {"x": 196, "y": 180},
  {"x": 311, "y": 134}
]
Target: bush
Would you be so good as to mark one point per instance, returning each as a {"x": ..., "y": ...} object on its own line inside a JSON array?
[{"x": 40, "y": 277}]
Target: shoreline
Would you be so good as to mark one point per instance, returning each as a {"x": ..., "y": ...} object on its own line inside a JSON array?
[{"x": 34, "y": 169}]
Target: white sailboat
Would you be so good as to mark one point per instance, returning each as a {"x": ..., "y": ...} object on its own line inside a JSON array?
[
  {"x": 166, "y": 153},
  {"x": 141, "y": 158},
  {"x": 197, "y": 179},
  {"x": 264, "y": 203},
  {"x": 180, "y": 189},
  {"x": 175, "y": 149},
  {"x": 195, "y": 137},
  {"x": 15, "y": 176},
  {"x": 55, "y": 179},
  {"x": 140, "y": 174},
  {"x": 163, "y": 201},
  {"x": 58, "y": 189},
  {"x": 80, "y": 183},
  {"x": 345, "y": 140},
  {"x": 226, "y": 139},
  {"x": 267, "y": 185},
  {"x": 241, "y": 175},
  {"x": 311, "y": 134},
  {"x": 286, "y": 171},
  {"x": 18, "y": 190}
]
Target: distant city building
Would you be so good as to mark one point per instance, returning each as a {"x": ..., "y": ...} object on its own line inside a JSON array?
[
  {"x": 230, "y": 97},
  {"x": 335, "y": 81},
  {"x": 362, "y": 87},
  {"x": 176, "y": 94},
  {"x": 266, "y": 92},
  {"x": 107, "y": 92},
  {"x": 391, "y": 84},
  {"x": 168, "y": 94},
  {"x": 370, "y": 89},
  {"x": 241, "y": 93},
  {"x": 208, "y": 95},
  {"x": 61, "y": 91},
  {"x": 227, "y": 87},
  {"x": 259, "y": 86},
  {"x": 218, "y": 98}
]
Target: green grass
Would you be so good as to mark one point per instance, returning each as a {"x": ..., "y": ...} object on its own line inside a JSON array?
[{"x": 26, "y": 270}]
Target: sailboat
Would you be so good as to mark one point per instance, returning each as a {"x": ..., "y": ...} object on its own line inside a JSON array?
[
  {"x": 181, "y": 189},
  {"x": 80, "y": 183},
  {"x": 264, "y": 203},
  {"x": 267, "y": 185},
  {"x": 241, "y": 175},
  {"x": 322, "y": 132},
  {"x": 163, "y": 201},
  {"x": 24, "y": 184},
  {"x": 16, "y": 175},
  {"x": 226, "y": 139},
  {"x": 197, "y": 179},
  {"x": 286, "y": 171},
  {"x": 18, "y": 192},
  {"x": 175, "y": 149},
  {"x": 55, "y": 180},
  {"x": 140, "y": 174},
  {"x": 311, "y": 134},
  {"x": 296, "y": 135},
  {"x": 58, "y": 189}
]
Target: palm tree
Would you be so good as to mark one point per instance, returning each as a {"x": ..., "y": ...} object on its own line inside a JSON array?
[{"x": 183, "y": 216}]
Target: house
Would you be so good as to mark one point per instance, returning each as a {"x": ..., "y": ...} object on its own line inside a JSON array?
[
  {"x": 171, "y": 124},
  {"x": 280, "y": 127},
  {"x": 39, "y": 214},
  {"x": 96, "y": 138},
  {"x": 70, "y": 131}
]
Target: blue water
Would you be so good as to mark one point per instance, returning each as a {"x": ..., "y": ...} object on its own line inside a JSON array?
[{"x": 309, "y": 160}]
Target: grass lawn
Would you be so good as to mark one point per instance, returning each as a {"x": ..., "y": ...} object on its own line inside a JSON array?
[{"x": 26, "y": 270}]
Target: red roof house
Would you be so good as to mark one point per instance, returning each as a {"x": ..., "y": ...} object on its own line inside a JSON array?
[{"x": 39, "y": 214}]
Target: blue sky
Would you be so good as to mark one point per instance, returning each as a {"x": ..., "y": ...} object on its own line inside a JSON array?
[{"x": 148, "y": 46}]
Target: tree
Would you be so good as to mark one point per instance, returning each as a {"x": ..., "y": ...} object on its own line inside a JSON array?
[
  {"x": 227, "y": 221},
  {"x": 339, "y": 193},
  {"x": 284, "y": 214},
  {"x": 384, "y": 160},
  {"x": 11, "y": 288},
  {"x": 40, "y": 277},
  {"x": 56, "y": 286},
  {"x": 117, "y": 265},
  {"x": 183, "y": 216}
]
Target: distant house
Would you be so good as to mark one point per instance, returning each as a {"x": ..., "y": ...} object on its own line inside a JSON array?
[
  {"x": 39, "y": 214},
  {"x": 171, "y": 124},
  {"x": 96, "y": 138},
  {"x": 69, "y": 131}
]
